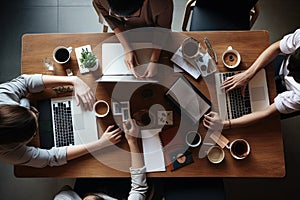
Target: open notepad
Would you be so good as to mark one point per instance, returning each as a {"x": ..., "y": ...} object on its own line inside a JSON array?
[{"x": 153, "y": 150}]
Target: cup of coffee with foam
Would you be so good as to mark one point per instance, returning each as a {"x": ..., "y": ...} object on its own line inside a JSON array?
[
  {"x": 231, "y": 58},
  {"x": 101, "y": 108},
  {"x": 62, "y": 54},
  {"x": 215, "y": 154}
]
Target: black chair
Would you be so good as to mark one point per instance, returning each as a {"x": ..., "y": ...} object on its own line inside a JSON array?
[{"x": 210, "y": 15}]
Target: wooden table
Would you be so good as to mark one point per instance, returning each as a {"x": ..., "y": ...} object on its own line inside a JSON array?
[{"x": 266, "y": 158}]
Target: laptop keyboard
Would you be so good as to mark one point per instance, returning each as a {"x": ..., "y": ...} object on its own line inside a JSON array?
[
  {"x": 63, "y": 125},
  {"x": 237, "y": 105}
]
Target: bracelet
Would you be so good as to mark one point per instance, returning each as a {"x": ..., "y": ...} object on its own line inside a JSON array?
[{"x": 229, "y": 123}]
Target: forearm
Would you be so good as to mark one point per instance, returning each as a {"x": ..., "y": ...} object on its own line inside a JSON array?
[
  {"x": 264, "y": 59},
  {"x": 127, "y": 47},
  {"x": 155, "y": 55},
  {"x": 136, "y": 155},
  {"x": 80, "y": 150},
  {"x": 252, "y": 118},
  {"x": 52, "y": 81}
]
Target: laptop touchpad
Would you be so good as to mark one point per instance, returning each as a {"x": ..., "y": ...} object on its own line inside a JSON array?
[
  {"x": 78, "y": 122},
  {"x": 258, "y": 94}
]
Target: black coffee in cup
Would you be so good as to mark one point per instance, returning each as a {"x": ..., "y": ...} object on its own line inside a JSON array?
[
  {"x": 62, "y": 55},
  {"x": 240, "y": 148}
]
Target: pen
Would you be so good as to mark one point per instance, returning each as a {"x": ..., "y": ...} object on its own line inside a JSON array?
[{"x": 211, "y": 50}]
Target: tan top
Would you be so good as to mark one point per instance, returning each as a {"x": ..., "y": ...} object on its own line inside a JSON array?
[{"x": 154, "y": 13}]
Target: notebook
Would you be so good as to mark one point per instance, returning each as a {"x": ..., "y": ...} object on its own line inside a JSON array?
[
  {"x": 153, "y": 150},
  {"x": 233, "y": 105},
  {"x": 113, "y": 65},
  {"x": 63, "y": 123}
]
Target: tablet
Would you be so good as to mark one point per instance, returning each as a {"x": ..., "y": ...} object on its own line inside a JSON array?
[{"x": 188, "y": 99}]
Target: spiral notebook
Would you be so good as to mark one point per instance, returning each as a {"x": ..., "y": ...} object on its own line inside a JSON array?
[{"x": 153, "y": 150}]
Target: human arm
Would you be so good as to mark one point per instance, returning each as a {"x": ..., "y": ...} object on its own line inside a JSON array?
[
  {"x": 138, "y": 170},
  {"x": 152, "y": 66},
  {"x": 20, "y": 154},
  {"x": 212, "y": 120},
  {"x": 242, "y": 79},
  {"x": 109, "y": 137},
  {"x": 83, "y": 92}
]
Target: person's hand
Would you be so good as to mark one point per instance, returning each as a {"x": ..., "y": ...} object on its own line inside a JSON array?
[
  {"x": 110, "y": 137},
  {"x": 212, "y": 121},
  {"x": 151, "y": 70},
  {"x": 239, "y": 80},
  {"x": 83, "y": 93},
  {"x": 131, "y": 130},
  {"x": 131, "y": 61}
]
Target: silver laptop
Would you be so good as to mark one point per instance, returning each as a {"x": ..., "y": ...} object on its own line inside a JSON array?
[
  {"x": 113, "y": 65},
  {"x": 72, "y": 125},
  {"x": 233, "y": 105}
]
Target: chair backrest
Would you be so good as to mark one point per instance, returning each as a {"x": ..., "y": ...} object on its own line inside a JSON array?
[
  {"x": 221, "y": 15},
  {"x": 230, "y": 5}
]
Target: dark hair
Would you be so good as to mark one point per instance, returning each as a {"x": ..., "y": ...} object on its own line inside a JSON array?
[
  {"x": 294, "y": 64},
  {"x": 17, "y": 124},
  {"x": 125, "y": 8}
]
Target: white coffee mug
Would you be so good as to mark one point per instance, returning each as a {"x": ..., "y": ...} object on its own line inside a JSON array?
[
  {"x": 193, "y": 138},
  {"x": 62, "y": 54},
  {"x": 101, "y": 108},
  {"x": 231, "y": 58}
]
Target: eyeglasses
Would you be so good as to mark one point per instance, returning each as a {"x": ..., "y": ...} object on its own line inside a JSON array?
[{"x": 114, "y": 14}]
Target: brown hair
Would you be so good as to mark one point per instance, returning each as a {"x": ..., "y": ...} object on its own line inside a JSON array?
[{"x": 17, "y": 124}]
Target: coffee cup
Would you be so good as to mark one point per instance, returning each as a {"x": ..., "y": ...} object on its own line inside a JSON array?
[
  {"x": 190, "y": 48},
  {"x": 144, "y": 118},
  {"x": 215, "y": 154},
  {"x": 101, "y": 108},
  {"x": 62, "y": 54},
  {"x": 193, "y": 138},
  {"x": 239, "y": 149},
  {"x": 231, "y": 58}
]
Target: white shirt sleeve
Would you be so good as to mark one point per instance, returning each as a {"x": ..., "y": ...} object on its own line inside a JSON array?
[
  {"x": 67, "y": 195},
  {"x": 138, "y": 184},
  {"x": 11, "y": 92},
  {"x": 34, "y": 157},
  {"x": 290, "y": 42}
]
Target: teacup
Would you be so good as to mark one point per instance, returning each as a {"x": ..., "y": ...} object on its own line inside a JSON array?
[
  {"x": 101, "y": 108},
  {"x": 62, "y": 54},
  {"x": 231, "y": 58},
  {"x": 215, "y": 154},
  {"x": 239, "y": 149},
  {"x": 193, "y": 138}
]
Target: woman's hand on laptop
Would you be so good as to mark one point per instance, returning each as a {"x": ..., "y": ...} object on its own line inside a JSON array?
[
  {"x": 110, "y": 137},
  {"x": 212, "y": 121},
  {"x": 83, "y": 93},
  {"x": 151, "y": 70},
  {"x": 131, "y": 61},
  {"x": 239, "y": 80}
]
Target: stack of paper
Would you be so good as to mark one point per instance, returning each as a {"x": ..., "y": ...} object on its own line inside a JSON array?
[{"x": 153, "y": 150}]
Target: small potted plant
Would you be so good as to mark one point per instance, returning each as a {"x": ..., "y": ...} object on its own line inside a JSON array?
[{"x": 88, "y": 60}]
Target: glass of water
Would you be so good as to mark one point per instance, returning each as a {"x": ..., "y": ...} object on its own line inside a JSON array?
[{"x": 48, "y": 64}]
